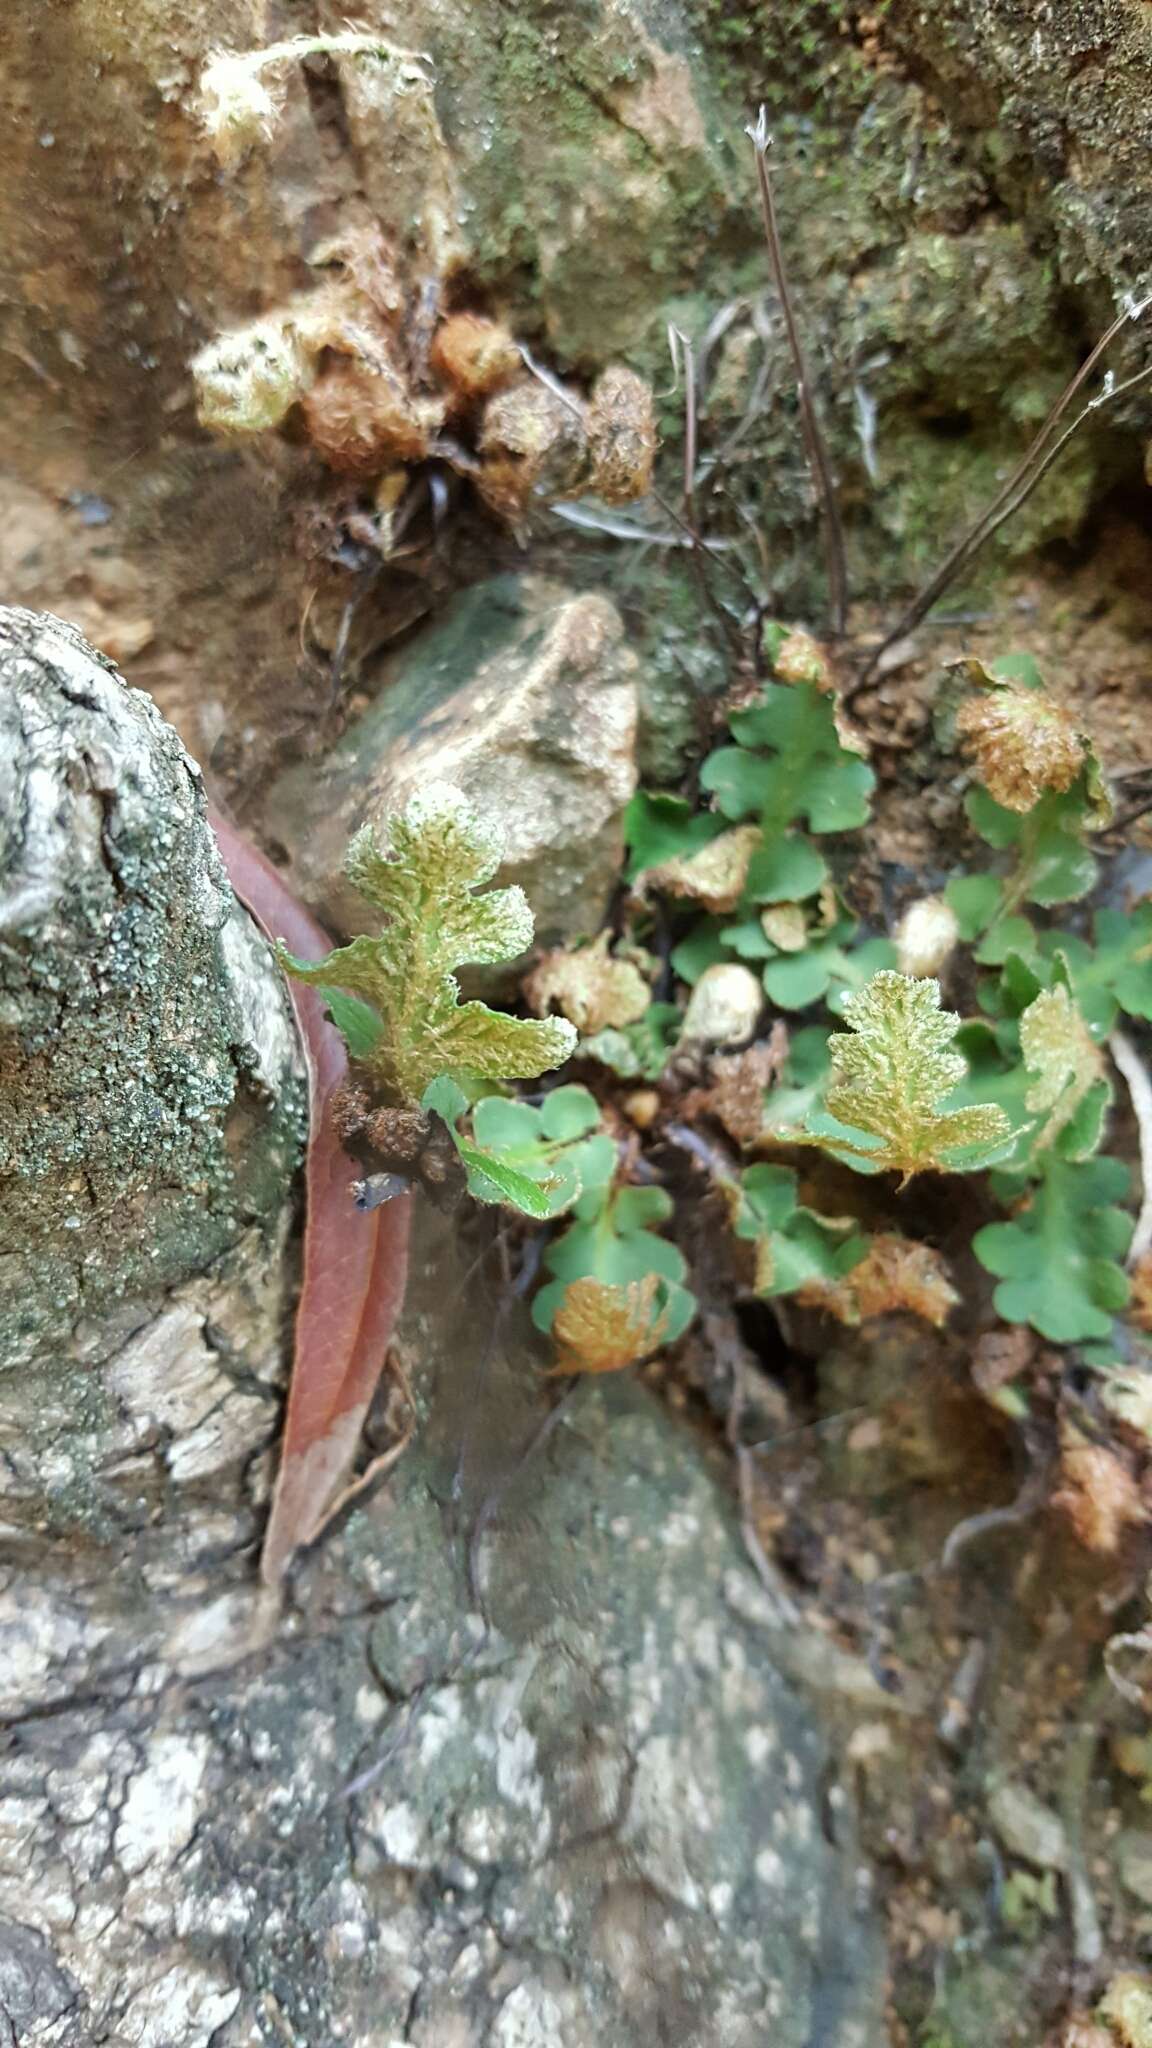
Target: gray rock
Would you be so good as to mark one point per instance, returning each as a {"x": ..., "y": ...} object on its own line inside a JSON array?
[
  {"x": 1133, "y": 1853},
  {"x": 591, "y": 1817},
  {"x": 524, "y": 696},
  {"x": 151, "y": 1113},
  {"x": 1027, "y": 1827}
]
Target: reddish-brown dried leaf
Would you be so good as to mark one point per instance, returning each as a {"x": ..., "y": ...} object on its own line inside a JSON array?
[
  {"x": 600, "y": 1327},
  {"x": 895, "y": 1274},
  {"x": 1098, "y": 1494},
  {"x": 355, "y": 1263}
]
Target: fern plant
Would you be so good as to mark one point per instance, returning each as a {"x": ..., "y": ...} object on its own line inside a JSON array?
[{"x": 1021, "y": 1087}]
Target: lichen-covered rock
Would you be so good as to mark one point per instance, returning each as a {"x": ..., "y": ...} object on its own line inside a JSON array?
[
  {"x": 524, "y": 696},
  {"x": 150, "y": 1079},
  {"x": 151, "y": 1117},
  {"x": 591, "y": 1815}
]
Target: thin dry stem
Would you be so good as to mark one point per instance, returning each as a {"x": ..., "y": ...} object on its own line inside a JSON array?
[
  {"x": 1139, "y": 1085},
  {"x": 813, "y": 438}
]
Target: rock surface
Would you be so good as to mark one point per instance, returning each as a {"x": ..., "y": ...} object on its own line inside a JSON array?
[
  {"x": 152, "y": 1112},
  {"x": 592, "y": 1816},
  {"x": 523, "y": 696}
]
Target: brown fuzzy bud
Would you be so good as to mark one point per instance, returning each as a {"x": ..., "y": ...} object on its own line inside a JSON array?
[
  {"x": 361, "y": 421},
  {"x": 474, "y": 356},
  {"x": 399, "y": 1135},
  {"x": 535, "y": 444},
  {"x": 622, "y": 435},
  {"x": 349, "y": 1111}
]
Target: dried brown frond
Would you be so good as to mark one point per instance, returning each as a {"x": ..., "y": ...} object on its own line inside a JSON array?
[
  {"x": 714, "y": 877},
  {"x": 474, "y": 355},
  {"x": 1097, "y": 1493},
  {"x": 1127, "y": 2007},
  {"x": 621, "y": 435},
  {"x": 737, "y": 1086},
  {"x": 590, "y": 988},
  {"x": 895, "y": 1274},
  {"x": 1021, "y": 744},
  {"x": 601, "y": 1328},
  {"x": 1001, "y": 1356},
  {"x": 369, "y": 262},
  {"x": 786, "y": 924}
]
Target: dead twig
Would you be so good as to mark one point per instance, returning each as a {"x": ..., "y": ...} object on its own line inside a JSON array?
[
  {"x": 771, "y": 1578},
  {"x": 813, "y": 438},
  {"x": 1129, "y": 1063},
  {"x": 628, "y": 529}
]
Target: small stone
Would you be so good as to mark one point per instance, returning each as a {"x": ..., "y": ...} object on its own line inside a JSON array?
[
  {"x": 1133, "y": 1851},
  {"x": 524, "y": 697},
  {"x": 1027, "y": 1827},
  {"x": 725, "y": 1005}
]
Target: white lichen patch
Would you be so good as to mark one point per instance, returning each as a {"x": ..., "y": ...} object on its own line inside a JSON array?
[
  {"x": 170, "y": 1384},
  {"x": 401, "y": 1833},
  {"x": 660, "y": 1830},
  {"x": 186, "y": 2004},
  {"x": 162, "y": 1803},
  {"x": 530, "y": 2017}
]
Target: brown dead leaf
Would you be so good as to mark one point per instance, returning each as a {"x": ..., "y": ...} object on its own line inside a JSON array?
[
  {"x": 601, "y": 1328},
  {"x": 895, "y": 1273},
  {"x": 1001, "y": 1356},
  {"x": 590, "y": 988},
  {"x": 737, "y": 1085},
  {"x": 714, "y": 877},
  {"x": 1098, "y": 1494}
]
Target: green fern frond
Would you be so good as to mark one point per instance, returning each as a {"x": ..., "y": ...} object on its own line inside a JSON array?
[
  {"x": 891, "y": 1074},
  {"x": 441, "y": 854}
]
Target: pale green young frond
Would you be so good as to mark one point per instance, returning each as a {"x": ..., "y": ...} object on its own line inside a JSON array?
[
  {"x": 1061, "y": 1054},
  {"x": 424, "y": 885},
  {"x": 891, "y": 1074}
]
